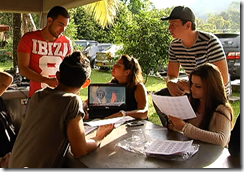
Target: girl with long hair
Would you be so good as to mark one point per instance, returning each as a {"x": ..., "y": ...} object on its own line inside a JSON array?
[{"x": 208, "y": 98}]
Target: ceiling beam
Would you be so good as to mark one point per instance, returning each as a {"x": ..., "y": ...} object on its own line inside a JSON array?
[
  {"x": 38, "y": 6},
  {"x": 21, "y": 6},
  {"x": 68, "y": 4}
]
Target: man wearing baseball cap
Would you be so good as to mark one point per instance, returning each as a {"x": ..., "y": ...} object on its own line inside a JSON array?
[
  {"x": 181, "y": 12},
  {"x": 190, "y": 49}
]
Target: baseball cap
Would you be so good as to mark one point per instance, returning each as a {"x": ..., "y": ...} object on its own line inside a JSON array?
[{"x": 181, "y": 12}]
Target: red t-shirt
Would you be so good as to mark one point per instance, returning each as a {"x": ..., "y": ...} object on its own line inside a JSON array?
[{"x": 45, "y": 57}]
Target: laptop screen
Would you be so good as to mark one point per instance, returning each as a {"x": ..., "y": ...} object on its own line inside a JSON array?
[{"x": 107, "y": 96}]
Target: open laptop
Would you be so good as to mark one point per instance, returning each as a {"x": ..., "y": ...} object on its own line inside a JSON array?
[{"x": 106, "y": 96}]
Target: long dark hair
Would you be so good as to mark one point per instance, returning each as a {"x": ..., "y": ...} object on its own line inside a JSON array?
[
  {"x": 135, "y": 75},
  {"x": 74, "y": 70},
  {"x": 214, "y": 93}
]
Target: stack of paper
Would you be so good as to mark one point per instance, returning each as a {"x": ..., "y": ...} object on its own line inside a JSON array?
[
  {"x": 168, "y": 147},
  {"x": 171, "y": 150}
]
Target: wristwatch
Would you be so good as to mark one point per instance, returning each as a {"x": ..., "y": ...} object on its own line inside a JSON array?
[{"x": 123, "y": 112}]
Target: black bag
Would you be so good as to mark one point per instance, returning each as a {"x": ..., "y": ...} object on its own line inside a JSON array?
[{"x": 7, "y": 133}]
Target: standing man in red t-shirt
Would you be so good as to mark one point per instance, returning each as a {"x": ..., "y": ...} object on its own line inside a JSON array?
[{"x": 41, "y": 52}]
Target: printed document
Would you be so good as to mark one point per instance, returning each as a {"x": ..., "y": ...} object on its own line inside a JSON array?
[
  {"x": 179, "y": 107},
  {"x": 168, "y": 147}
]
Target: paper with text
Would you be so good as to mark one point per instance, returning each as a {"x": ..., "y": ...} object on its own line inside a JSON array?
[
  {"x": 168, "y": 147},
  {"x": 179, "y": 107},
  {"x": 118, "y": 121}
]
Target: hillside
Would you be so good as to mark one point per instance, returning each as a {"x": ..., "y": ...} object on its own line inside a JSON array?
[{"x": 209, "y": 6}]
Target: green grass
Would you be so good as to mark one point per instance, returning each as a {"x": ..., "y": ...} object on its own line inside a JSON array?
[
  {"x": 153, "y": 84},
  {"x": 6, "y": 66}
]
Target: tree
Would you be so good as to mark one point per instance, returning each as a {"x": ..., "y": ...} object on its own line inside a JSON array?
[
  {"x": 88, "y": 28},
  {"x": 27, "y": 23},
  {"x": 145, "y": 37},
  {"x": 104, "y": 11},
  {"x": 135, "y": 6},
  {"x": 16, "y": 37}
]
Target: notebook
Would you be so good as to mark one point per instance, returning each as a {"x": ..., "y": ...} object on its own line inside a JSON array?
[{"x": 106, "y": 96}]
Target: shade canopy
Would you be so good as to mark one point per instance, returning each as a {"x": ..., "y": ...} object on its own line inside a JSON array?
[{"x": 38, "y": 6}]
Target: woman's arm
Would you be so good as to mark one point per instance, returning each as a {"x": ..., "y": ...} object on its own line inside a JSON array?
[
  {"x": 219, "y": 130},
  {"x": 80, "y": 146}
]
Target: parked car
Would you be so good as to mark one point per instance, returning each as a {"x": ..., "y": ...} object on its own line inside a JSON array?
[
  {"x": 82, "y": 44},
  {"x": 91, "y": 50},
  {"x": 231, "y": 45},
  {"x": 107, "y": 58}
]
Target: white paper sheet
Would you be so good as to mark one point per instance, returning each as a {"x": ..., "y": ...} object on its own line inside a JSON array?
[
  {"x": 117, "y": 121},
  {"x": 179, "y": 107},
  {"x": 168, "y": 147}
]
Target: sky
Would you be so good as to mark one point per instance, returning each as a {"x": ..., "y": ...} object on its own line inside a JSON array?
[
  {"x": 169, "y": 3},
  {"x": 201, "y": 11}
]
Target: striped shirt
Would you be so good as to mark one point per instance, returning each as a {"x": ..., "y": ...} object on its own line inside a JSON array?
[{"x": 207, "y": 48}]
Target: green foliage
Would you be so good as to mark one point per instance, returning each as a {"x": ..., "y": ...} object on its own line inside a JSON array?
[
  {"x": 36, "y": 18},
  {"x": 4, "y": 56},
  {"x": 71, "y": 30},
  {"x": 226, "y": 21},
  {"x": 9, "y": 47},
  {"x": 87, "y": 28},
  {"x": 145, "y": 37},
  {"x": 6, "y": 66}
]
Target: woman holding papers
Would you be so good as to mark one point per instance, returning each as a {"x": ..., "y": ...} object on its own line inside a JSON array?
[
  {"x": 128, "y": 71},
  {"x": 208, "y": 98}
]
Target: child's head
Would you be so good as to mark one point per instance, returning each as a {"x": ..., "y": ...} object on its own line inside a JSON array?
[{"x": 74, "y": 70}]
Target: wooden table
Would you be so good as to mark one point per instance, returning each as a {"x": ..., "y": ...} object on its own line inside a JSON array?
[{"x": 109, "y": 155}]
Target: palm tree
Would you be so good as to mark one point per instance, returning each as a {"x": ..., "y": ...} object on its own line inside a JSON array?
[{"x": 104, "y": 11}]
